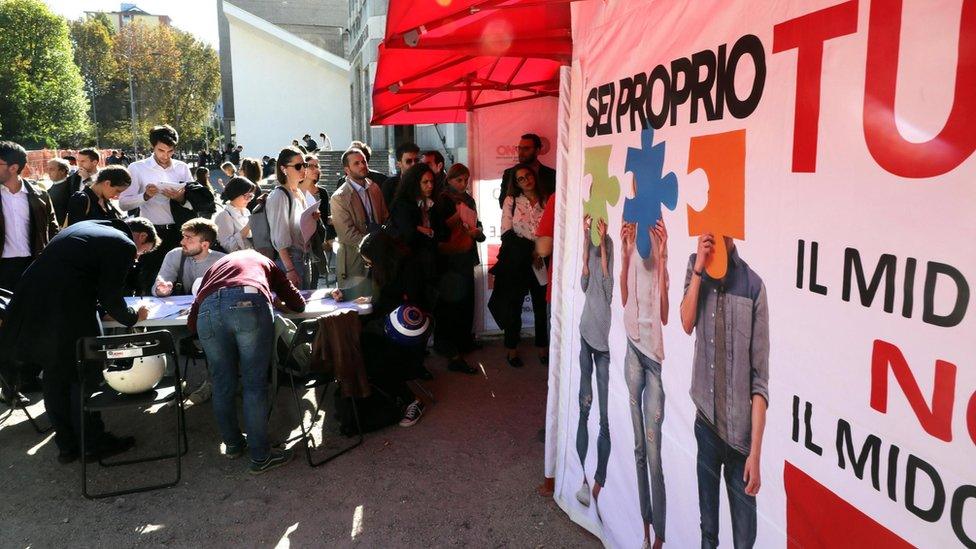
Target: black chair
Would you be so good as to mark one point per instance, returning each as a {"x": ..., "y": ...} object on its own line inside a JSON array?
[
  {"x": 106, "y": 349},
  {"x": 189, "y": 350},
  {"x": 12, "y": 390},
  {"x": 287, "y": 363}
]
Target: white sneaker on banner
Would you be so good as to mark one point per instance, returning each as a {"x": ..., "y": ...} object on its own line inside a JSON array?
[{"x": 583, "y": 495}]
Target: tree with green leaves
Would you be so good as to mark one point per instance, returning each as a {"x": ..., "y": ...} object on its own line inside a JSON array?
[
  {"x": 44, "y": 103},
  {"x": 175, "y": 80},
  {"x": 92, "y": 40}
]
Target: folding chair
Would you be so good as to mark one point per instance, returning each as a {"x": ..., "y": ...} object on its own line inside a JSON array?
[
  {"x": 299, "y": 376},
  {"x": 107, "y": 349},
  {"x": 190, "y": 352},
  {"x": 13, "y": 390}
]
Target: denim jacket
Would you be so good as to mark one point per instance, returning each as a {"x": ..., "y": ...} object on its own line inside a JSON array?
[{"x": 747, "y": 347}]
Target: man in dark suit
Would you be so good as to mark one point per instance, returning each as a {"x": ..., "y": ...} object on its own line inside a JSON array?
[
  {"x": 406, "y": 156},
  {"x": 56, "y": 303},
  {"x": 58, "y": 170},
  {"x": 435, "y": 160},
  {"x": 87, "y": 161},
  {"x": 529, "y": 147}
]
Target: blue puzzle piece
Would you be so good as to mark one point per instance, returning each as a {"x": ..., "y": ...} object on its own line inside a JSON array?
[{"x": 653, "y": 188}]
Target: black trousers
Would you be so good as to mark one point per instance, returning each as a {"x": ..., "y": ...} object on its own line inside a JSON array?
[
  {"x": 150, "y": 263},
  {"x": 62, "y": 400},
  {"x": 454, "y": 316},
  {"x": 540, "y": 309},
  {"x": 11, "y": 271}
]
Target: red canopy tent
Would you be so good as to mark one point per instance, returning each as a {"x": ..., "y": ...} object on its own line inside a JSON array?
[{"x": 441, "y": 58}]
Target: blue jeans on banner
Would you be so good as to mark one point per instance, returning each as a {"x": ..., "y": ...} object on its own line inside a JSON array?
[
  {"x": 713, "y": 454},
  {"x": 601, "y": 359},
  {"x": 300, "y": 260},
  {"x": 236, "y": 326},
  {"x": 646, "y": 391}
]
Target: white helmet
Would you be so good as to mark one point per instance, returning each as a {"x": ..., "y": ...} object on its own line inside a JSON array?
[{"x": 142, "y": 375}]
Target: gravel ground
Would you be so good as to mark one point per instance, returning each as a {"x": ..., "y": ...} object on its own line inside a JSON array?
[{"x": 465, "y": 475}]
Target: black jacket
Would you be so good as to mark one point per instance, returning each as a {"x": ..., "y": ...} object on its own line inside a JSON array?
[
  {"x": 57, "y": 299},
  {"x": 61, "y": 194},
  {"x": 84, "y": 206},
  {"x": 389, "y": 188},
  {"x": 546, "y": 179}
]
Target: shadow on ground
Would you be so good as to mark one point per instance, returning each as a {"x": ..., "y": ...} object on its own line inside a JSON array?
[{"x": 465, "y": 475}]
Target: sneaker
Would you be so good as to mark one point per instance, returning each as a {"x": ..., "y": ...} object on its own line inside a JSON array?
[
  {"x": 234, "y": 451},
  {"x": 276, "y": 459},
  {"x": 583, "y": 495},
  {"x": 414, "y": 410},
  {"x": 201, "y": 395}
]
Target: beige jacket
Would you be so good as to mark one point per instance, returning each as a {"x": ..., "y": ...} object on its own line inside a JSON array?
[{"x": 349, "y": 219}]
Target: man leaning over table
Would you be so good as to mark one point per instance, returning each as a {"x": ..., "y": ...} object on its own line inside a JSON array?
[
  {"x": 154, "y": 200},
  {"x": 232, "y": 315},
  {"x": 82, "y": 269}
]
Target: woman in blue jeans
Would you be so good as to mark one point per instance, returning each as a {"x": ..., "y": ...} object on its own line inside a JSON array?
[{"x": 232, "y": 315}]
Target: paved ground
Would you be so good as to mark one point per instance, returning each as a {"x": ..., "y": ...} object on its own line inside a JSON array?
[{"x": 464, "y": 476}]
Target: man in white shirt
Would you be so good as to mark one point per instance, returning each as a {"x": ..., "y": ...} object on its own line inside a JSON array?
[
  {"x": 157, "y": 182},
  {"x": 27, "y": 220},
  {"x": 27, "y": 224}
]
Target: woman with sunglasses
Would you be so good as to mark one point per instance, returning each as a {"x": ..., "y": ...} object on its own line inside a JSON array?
[
  {"x": 521, "y": 213},
  {"x": 285, "y": 205},
  {"x": 233, "y": 223}
]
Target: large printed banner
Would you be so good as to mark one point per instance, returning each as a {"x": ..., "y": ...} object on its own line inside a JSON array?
[{"x": 807, "y": 378}]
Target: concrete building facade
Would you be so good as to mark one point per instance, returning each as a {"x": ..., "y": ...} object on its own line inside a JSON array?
[
  {"x": 254, "y": 56},
  {"x": 318, "y": 23},
  {"x": 277, "y": 58}
]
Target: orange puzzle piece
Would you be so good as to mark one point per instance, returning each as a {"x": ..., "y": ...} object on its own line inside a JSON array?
[{"x": 722, "y": 157}]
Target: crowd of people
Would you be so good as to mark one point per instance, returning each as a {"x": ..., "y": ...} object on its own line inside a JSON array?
[{"x": 156, "y": 227}]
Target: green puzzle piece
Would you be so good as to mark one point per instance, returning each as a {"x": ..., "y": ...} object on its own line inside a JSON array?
[{"x": 604, "y": 189}]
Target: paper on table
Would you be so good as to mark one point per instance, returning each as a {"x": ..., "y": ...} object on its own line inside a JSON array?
[
  {"x": 162, "y": 307},
  {"x": 309, "y": 223}
]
